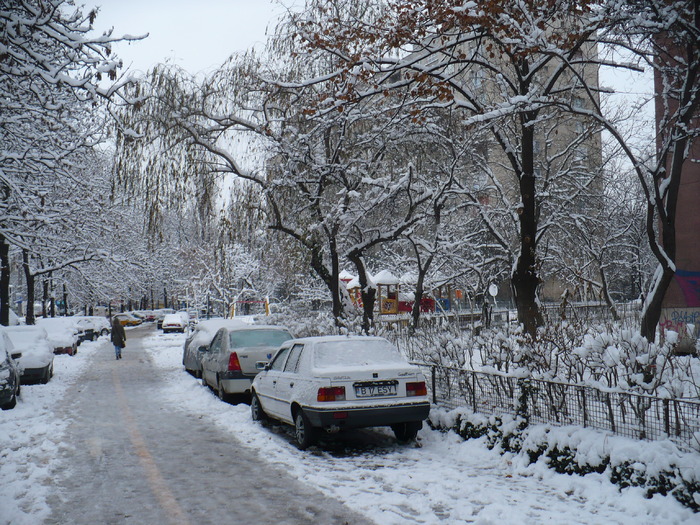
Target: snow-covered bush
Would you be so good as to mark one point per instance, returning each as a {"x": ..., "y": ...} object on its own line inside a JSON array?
[
  {"x": 657, "y": 467},
  {"x": 601, "y": 356}
]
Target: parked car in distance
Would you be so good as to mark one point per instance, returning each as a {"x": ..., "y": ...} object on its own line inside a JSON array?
[
  {"x": 174, "y": 323},
  {"x": 229, "y": 363},
  {"x": 340, "y": 382},
  {"x": 36, "y": 361},
  {"x": 9, "y": 373},
  {"x": 160, "y": 314},
  {"x": 145, "y": 315},
  {"x": 198, "y": 341},
  {"x": 126, "y": 319},
  {"x": 62, "y": 333},
  {"x": 95, "y": 325}
]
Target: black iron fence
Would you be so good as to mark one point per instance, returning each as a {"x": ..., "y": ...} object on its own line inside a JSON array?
[{"x": 627, "y": 414}]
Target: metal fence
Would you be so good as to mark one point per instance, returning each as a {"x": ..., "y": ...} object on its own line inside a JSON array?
[{"x": 627, "y": 414}]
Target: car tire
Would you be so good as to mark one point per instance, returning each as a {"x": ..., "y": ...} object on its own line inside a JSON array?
[
  {"x": 256, "y": 409},
  {"x": 221, "y": 392},
  {"x": 406, "y": 432},
  {"x": 304, "y": 434}
]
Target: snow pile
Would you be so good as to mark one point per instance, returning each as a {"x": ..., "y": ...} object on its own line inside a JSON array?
[
  {"x": 657, "y": 467},
  {"x": 31, "y": 435}
]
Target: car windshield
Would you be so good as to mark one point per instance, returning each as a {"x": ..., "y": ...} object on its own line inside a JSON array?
[
  {"x": 355, "y": 352},
  {"x": 245, "y": 338}
]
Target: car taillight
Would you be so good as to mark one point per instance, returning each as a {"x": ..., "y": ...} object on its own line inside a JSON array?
[
  {"x": 331, "y": 393},
  {"x": 233, "y": 363},
  {"x": 416, "y": 389}
]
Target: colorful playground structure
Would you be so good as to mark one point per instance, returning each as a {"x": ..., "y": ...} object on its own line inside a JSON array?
[{"x": 391, "y": 300}]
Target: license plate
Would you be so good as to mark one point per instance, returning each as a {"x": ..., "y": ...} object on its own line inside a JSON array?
[{"x": 375, "y": 390}]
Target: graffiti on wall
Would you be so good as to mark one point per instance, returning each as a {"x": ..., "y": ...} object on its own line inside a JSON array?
[
  {"x": 679, "y": 320},
  {"x": 689, "y": 283}
]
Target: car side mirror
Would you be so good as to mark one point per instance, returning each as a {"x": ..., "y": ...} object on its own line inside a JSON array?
[
  {"x": 16, "y": 355},
  {"x": 262, "y": 365},
  {"x": 202, "y": 348}
]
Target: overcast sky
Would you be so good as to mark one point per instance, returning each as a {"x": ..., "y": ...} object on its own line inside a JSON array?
[{"x": 197, "y": 36}]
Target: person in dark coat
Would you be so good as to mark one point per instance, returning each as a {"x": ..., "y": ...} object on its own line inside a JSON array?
[{"x": 118, "y": 337}]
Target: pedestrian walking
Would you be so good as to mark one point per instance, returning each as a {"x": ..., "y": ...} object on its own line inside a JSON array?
[{"x": 118, "y": 337}]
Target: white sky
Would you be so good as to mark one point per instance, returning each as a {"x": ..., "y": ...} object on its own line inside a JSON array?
[{"x": 197, "y": 36}]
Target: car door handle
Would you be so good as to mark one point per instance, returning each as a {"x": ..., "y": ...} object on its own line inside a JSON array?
[
  {"x": 291, "y": 384},
  {"x": 274, "y": 382}
]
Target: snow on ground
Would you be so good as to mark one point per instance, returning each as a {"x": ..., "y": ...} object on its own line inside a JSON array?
[
  {"x": 31, "y": 436},
  {"x": 444, "y": 480}
]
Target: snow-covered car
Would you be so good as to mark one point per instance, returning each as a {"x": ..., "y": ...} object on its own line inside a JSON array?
[
  {"x": 126, "y": 319},
  {"x": 160, "y": 315},
  {"x": 9, "y": 373},
  {"x": 340, "y": 382},
  {"x": 229, "y": 363},
  {"x": 198, "y": 341},
  {"x": 62, "y": 333},
  {"x": 174, "y": 323},
  {"x": 36, "y": 362},
  {"x": 93, "y": 326}
]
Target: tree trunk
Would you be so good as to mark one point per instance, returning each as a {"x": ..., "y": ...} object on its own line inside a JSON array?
[
  {"x": 4, "y": 281},
  {"x": 30, "y": 279},
  {"x": 331, "y": 279},
  {"x": 524, "y": 280},
  {"x": 606, "y": 296},
  {"x": 45, "y": 298},
  {"x": 369, "y": 293},
  {"x": 417, "y": 299},
  {"x": 652, "y": 308}
]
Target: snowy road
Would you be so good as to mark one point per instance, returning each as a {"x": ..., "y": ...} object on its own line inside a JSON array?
[
  {"x": 140, "y": 441},
  {"x": 137, "y": 460}
]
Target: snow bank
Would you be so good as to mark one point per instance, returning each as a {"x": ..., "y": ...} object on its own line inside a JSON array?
[{"x": 31, "y": 435}]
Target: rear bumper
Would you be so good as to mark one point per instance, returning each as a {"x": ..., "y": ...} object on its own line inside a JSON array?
[
  {"x": 360, "y": 417},
  {"x": 236, "y": 382},
  {"x": 30, "y": 375}
]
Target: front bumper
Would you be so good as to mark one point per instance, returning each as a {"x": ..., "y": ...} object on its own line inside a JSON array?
[
  {"x": 361, "y": 417},
  {"x": 7, "y": 391}
]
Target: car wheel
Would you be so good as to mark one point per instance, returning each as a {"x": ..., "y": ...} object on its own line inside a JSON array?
[
  {"x": 221, "y": 392},
  {"x": 256, "y": 409},
  {"x": 405, "y": 432},
  {"x": 304, "y": 433}
]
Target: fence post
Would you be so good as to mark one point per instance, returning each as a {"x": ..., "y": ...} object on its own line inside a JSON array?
[
  {"x": 433, "y": 380},
  {"x": 522, "y": 409},
  {"x": 667, "y": 423}
]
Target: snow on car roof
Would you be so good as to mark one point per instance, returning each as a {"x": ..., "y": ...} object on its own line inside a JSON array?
[{"x": 25, "y": 334}]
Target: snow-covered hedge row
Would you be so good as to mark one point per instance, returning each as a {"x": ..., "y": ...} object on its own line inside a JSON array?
[
  {"x": 657, "y": 467},
  {"x": 602, "y": 356}
]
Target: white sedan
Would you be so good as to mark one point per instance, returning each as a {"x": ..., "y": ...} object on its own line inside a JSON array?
[
  {"x": 339, "y": 382},
  {"x": 174, "y": 323}
]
